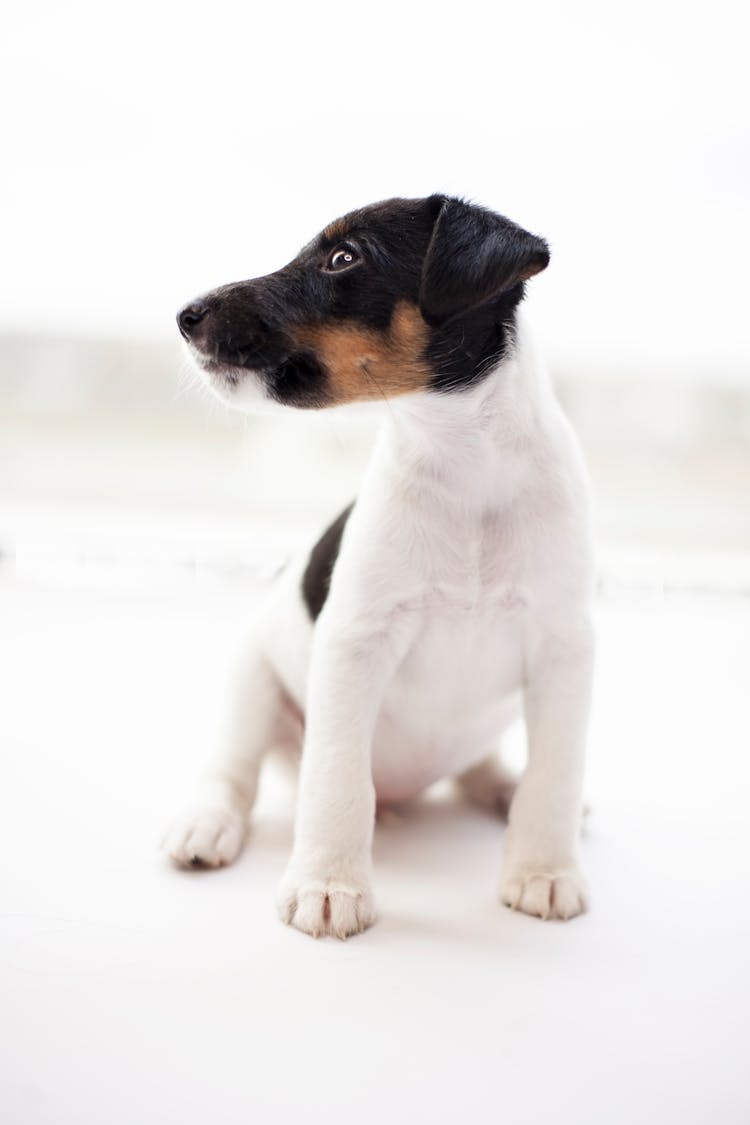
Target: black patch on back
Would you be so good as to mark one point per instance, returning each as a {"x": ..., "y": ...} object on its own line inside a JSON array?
[{"x": 316, "y": 581}]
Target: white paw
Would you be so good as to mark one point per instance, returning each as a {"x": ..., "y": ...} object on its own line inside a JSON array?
[
  {"x": 326, "y": 906},
  {"x": 545, "y": 893},
  {"x": 207, "y": 836}
]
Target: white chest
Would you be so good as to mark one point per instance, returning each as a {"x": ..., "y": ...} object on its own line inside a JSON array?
[{"x": 455, "y": 689}]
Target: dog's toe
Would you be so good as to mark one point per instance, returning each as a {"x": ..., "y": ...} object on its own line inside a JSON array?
[
  {"x": 545, "y": 894},
  {"x": 206, "y": 837},
  {"x": 327, "y": 908}
]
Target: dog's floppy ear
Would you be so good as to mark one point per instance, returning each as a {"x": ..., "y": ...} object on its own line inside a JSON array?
[{"x": 473, "y": 256}]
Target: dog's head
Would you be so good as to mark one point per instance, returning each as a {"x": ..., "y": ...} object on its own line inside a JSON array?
[{"x": 403, "y": 296}]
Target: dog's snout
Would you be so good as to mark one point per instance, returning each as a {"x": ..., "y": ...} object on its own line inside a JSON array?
[{"x": 191, "y": 316}]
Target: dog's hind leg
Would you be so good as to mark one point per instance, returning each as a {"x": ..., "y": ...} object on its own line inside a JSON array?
[
  {"x": 489, "y": 784},
  {"x": 212, "y": 830}
]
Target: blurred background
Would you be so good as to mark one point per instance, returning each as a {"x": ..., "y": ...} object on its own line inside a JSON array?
[{"x": 151, "y": 155}]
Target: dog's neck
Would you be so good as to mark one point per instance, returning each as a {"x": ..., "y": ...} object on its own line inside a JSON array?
[{"x": 476, "y": 444}]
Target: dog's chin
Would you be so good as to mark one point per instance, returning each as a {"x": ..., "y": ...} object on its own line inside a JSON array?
[
  {"x": 296, "y": 382},
  {"x": 242, "y": 388}
]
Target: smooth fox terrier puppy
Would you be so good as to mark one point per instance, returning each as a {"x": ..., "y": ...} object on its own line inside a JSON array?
[{"x": 450, "y": 598}]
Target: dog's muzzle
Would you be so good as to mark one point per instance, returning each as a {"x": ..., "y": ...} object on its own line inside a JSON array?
[{"x": 223, "y": 335}]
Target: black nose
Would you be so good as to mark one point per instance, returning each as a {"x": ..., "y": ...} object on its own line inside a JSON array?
[{"x": 190, "y": 316}]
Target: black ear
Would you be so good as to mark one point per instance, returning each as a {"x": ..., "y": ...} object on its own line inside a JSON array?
[{"x": 473, "y": 256}]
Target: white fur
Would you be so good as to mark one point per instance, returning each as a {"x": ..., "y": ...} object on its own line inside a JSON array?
[{"x": 460, "y": 598}]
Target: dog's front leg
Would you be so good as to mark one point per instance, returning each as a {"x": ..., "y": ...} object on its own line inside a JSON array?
[
  {"x": 327, "y": 885},
  {"x": 541, "y": 874}
]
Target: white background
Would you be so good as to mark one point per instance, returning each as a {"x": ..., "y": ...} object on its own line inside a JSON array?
[{"x": 152, "y": 151}]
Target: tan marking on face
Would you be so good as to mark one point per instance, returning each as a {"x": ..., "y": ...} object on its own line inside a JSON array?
[
  {"x": 335, "y": 231},
  {"x": 530, "y": 271},
  {"x": 364, "y": 364}
]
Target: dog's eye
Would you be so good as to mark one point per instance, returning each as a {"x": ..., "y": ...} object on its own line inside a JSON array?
[{"x": 342, "y": 258}]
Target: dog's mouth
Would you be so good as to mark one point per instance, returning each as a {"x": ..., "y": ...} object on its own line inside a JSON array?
[
  {"x": 229, "y": 360},
  {"x": 229, "y": 354},
  {"x": 290, "y": 379}
]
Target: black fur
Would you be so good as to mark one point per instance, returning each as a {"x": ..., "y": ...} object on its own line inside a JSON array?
[
  {"x": 463, "y": 266},
  {"x": 471, "y": 284},
  {"x": 316, "y": 581},
  {"x": 299, "y": 380},
  {"x": 474, "y": 257}
]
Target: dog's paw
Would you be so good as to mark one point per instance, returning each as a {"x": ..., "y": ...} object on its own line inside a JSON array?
[
  {"x": 330, "y": 906},
  {"x": 545, "y": 893},
  {"x": 207, "y": 836}
]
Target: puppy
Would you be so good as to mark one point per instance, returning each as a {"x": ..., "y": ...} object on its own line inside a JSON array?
[{"x": 450, "y": 598}]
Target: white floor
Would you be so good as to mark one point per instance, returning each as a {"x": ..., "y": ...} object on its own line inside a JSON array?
[{"x": 134, "y": 993}]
